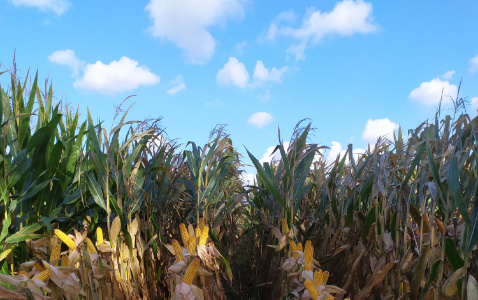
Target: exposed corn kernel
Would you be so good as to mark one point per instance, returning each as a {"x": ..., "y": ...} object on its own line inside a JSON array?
[
  {"x": 23, "y": 272},
  {"x": 318, "y": 277},
  {"x": 55, "y": 254},
  {"x": 43, "y": 275},
  {"x": 191, "y": 271},
  {"x": 309, "y": 285},
  {"x": 292, "y": 248},
  {"x": 65, "y": 239},
  {"x": 325, "y": 276},
  {"x": 299, "y": 248},
  {"x": 192, "y": 245},
  {"x": 90, "y": 247},
  {"x": 184, "y": 234},
  {"x": 201, "y": 224},
  {"x": 204, "y": 236},
  {"x": 177, "y": 250},
  {"x": 308, "y": 257},
  {"x": 65, "y": 261},
  {"x": 99, "y": 236}
]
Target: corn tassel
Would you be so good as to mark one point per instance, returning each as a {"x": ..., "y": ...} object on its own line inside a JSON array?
[
  {"x": 201, "y": 224},
  {"x": 99, "y": 236},
  {"x": 192, "y": 245},
  {"x": 191, "y": 271},
  {"x": 65, "y": 261},
  {"x": 65, "y": 239},
  {"x": 184, "y": 234},
  {"x": 43, "y": 275},
  {"x": 318, "y": 277},
  {"x": 325, "y": 276},
  {"x": 177, "y": 250},
  {"x": 309, "y": 285},
  {"x": 204, "y": 236},
  {"x": 285, "y": 227},
  {"x": 90, "y": 247},
  {"x": 308, "y": 256},
  {"x": 55, "y": 254}
]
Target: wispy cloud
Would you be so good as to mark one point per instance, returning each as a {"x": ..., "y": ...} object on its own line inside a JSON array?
[
  {"x": 67, "y": 58},
  {"x": 59, "y": 7}
]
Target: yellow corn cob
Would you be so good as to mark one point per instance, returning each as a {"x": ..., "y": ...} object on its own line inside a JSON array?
[
  {"x": 23, "y": 272},
  {"x": 285, "y": 227},
  {"x": 309, "y": 285},
  {"x": 308, "y": 256},
  {"x": 65, "y": 239},
  {"x": 307, "y": 245},
  {"x": 184, "y": 234},
  {"x": 99, "y": 236},
  {"x": 191, "y": 271},
  {"x": 39, "y": 267},
  {"x": 204, "y": 236},
  {"x": 177, "y": 250},
  {"x": 43, "y": 275},
  {"x": 201, "y": 224},
  {"x": 292, "y": 248},
  {"x": 329, "y": 297},
  {"x": 318, "y": 277},
  {"x": 90, "y": 246},
  {"x": 55, "y": 254},
  {"x": 325, "y": 276},
  {"x": 65, "y": 261},
  {"x": 299, "y": 248},
  {"x": 197, "y": 232},
  {"x": 192, "y": 245}
]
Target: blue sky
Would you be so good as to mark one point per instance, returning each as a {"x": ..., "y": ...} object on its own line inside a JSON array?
[{"x": 357, "y": 69}]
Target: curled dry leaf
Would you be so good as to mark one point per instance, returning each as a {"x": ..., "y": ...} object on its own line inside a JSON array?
[{"x": 450, "y": 287}]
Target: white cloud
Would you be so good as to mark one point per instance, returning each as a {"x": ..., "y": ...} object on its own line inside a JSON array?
[
  {"x": 117, "y": 76},
  {"x": 336, "y": 149},
  {"x": 260, "y": 119},
  {"x": 177, "y": 88},
  {"x": 269, "y": 157},
  {"x": 185, "y": 23},
  {"x": 474, "y": 64},
  {"x": 239, "y": 47},
  {"x": 248, "y": 178},
  {"x": 262, "y": 74},
  {"x": 234, "y": 72},
  {"x": 346, "y": 19},
  {"x": 57, "y": 6},
  {"x": 448, "y": 74},
  {"x": 474, "y": 104},
  {"x": 67, "y": 58},
  {"x": 377, "y": 128},
  {"x": 430, "y": 92},
  {"x": 265, "y": 97}
]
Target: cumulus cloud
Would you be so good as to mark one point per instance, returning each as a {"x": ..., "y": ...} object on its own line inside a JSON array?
[
  {"x": 448, "y": 74},
  {"x": 235, "y": 73},
  {"x": 260, "y": 119},
  {"x": 185, "y": 23},
  {"x": 474, "y": 104},
  {"x": 178, "y": 85},
  {"x": 377, "y": 128},
  {"x": 248, "y": 178},
  {"x": 336, "y": 150},
  {"x": 117, "y": 76},
  {"x": 67, "y": 58},
  {"x": 262, "y": 74},
  {"x": 59, "y": 7},
  {"x": 346, "y": 19},
  {"x": 474, "y": 64},
  {"x": 430, "y": 92}
]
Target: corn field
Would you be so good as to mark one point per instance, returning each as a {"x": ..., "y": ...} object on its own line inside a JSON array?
[{"x": 91, "y": 213}]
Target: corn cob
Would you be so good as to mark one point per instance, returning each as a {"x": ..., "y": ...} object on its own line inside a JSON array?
[
  {"x": 191, "y": 271},
  {"x": 299, "y": 248},
  {"x": 99, "y": 236},
  {"x": 55, "y": 254},
  {"x": 65, "y": 239},
  {"x": 192, "y": 245},
  {"x": 40, "y": 267},
  {"x": 318, "y": 277},
  {"x": 65, "y": 261},
  {"x": 325, "y": 276},
  {"x": 201, "y": 224},
  {"x": 177, "y": 250},
  {"x": 309, "y": 285},
  {"x": 90, "y": 247},
  {"x": 285, "y": 227},
  {"x": 204, "y": 236},
  {"x": 292, "y": 248},
  {"x": 308, "y": 256},
  {"x": 23, "y": 272},
  {"x": 43, "y": 275},
  {"x": 307, "y": 245},
  {"x": 329, "y": 297},
  {"x": 184, "y": 234}
]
